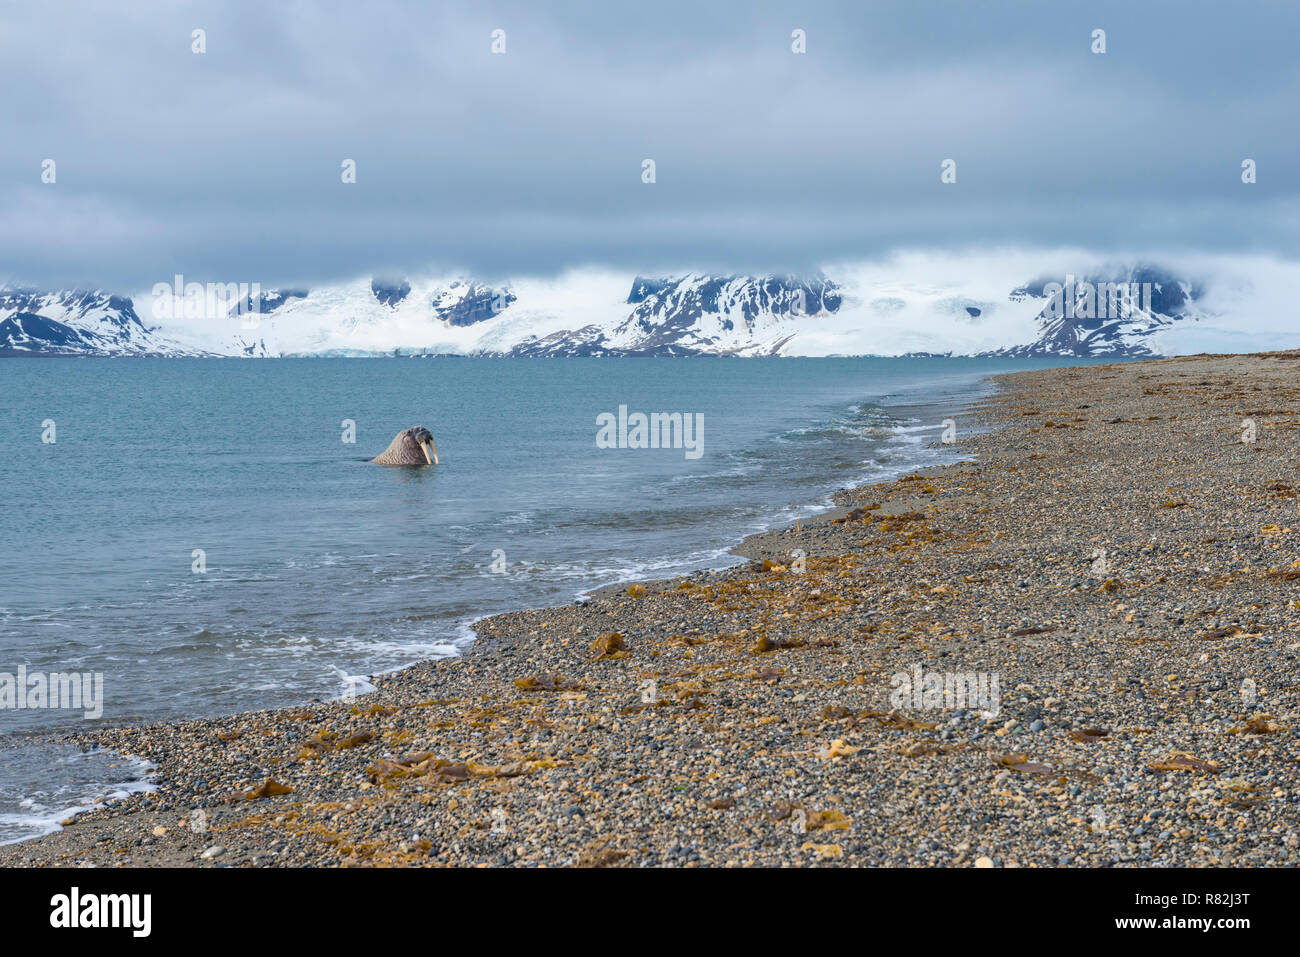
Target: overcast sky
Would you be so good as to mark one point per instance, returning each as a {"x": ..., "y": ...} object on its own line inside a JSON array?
[{"x": 225, "y": 166}]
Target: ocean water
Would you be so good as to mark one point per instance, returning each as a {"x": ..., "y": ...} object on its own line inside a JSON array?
[{"x": 320, "y": 569}]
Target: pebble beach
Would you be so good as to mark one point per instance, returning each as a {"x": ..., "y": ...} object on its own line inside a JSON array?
[{"x": 1078, "y": 648}]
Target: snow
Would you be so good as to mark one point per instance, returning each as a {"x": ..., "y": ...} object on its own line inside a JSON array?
[{"x": 912, "y": 301}]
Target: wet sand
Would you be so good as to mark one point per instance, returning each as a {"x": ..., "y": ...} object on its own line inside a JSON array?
[{"x": 1116, "y": 559}]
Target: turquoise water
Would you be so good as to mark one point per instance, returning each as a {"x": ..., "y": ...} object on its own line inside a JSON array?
[{"x": 322, "y": 569}]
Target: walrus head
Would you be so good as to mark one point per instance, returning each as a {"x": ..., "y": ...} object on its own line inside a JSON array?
[{"x": 410, "y": 447}]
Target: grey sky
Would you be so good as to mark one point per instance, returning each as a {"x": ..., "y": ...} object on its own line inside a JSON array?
[{"x": 226, "y": 166}]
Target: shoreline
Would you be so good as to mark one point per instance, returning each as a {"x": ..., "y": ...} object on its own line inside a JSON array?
[
  {"x": 824, "y": 510},
  {"x": 957, "y": 398},
  {"x": 769, "y": 699}
]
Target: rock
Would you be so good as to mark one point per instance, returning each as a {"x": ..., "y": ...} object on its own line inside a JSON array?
[{"x": 215, "y": 851}]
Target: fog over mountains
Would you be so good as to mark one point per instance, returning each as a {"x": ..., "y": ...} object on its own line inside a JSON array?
[{"x": 1012, "y": 304}]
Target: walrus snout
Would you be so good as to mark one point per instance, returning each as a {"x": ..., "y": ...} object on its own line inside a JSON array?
[
  {"x": 414, "y": 446},
  {"x": 423, "y": 438}
]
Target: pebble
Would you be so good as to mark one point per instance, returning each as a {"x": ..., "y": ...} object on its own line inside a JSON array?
[{"x": 741, "y": 719}]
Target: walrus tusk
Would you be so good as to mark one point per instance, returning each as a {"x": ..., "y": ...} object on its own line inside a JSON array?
[
  {"x": 435, "y": 452},
  {"x": 425, "y": 450}
]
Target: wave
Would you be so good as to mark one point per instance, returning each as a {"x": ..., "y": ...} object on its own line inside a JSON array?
[{"x": 44, "y": 784}]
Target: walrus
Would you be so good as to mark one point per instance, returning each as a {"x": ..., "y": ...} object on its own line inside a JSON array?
[{"x": 410, "y": 447}]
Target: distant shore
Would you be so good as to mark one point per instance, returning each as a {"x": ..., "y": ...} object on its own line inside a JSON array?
[{"x": 1078, "y": 649}]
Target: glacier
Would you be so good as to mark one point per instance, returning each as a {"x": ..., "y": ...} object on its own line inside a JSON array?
[{"x": 924, "y": 302}]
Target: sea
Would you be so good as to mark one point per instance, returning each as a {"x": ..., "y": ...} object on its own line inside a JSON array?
[{"x": 196, "y": 537}]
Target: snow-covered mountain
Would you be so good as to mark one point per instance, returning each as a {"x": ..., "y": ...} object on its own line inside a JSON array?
[
  {"x": 981, "y": 305},
  {"x": 75, "y": 322},
  {"x": 1121, "y": 315},
  {"x": 699, "y": 314}
]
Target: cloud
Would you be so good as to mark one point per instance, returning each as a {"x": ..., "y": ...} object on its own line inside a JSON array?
[{"x": 226, "y": 165}]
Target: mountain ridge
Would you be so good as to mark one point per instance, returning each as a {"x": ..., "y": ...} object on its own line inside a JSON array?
[{"x": 1104, "y": 311}]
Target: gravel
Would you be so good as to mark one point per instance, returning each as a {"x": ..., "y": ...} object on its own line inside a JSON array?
[{"x": 1115, "y": 556}]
